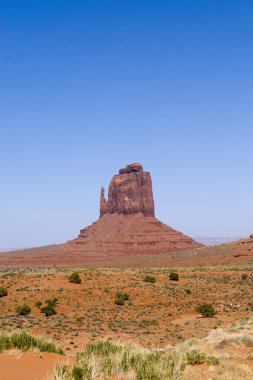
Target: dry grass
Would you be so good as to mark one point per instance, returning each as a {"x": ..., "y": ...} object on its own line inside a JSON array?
[
  {"x": 160, "y": 315},
  {"x": 199, "y": 359}
]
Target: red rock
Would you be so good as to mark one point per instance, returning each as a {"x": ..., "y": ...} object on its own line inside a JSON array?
[
  {"x": 103, "y": 203},
  {"x": 127, "y": 222},
  {"x": 130, "y": 192}
]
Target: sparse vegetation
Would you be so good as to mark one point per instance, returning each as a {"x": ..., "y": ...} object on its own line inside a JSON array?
[
  {"x": 25, "y": 341},
  {"x": 48, "y": 310},
  {"x": 244, "y": 276},
  {"x": 52, "y": 301},
  {"x": 195, "y": 357},
  {"x": 75, "y": 278},
  {"x": 23, "y": 310},
  {"x": 206, "y": 309},
  {"x": 108, "y": 360},
  {"x": 154, "y": 316},
  {"x": 3, "y": 292},
  {"x": 120, "y": 298},
  {"x": 151, "y": 279},
  {"x": 119, "y": 301},
  {"x": 174, "y": 276},
  {"x": 124, "y": 296}
]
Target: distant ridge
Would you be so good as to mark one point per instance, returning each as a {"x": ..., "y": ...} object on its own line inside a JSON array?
[
  {"x": 13, "y": 249},
  {"x": 216, "y": 240}
]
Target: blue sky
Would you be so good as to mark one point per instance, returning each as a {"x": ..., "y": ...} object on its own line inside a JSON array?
[{"x": 89, "y": 86}]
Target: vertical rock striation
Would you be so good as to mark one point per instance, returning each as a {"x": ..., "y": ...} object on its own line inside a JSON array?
[{"x": 130, "y": 192}]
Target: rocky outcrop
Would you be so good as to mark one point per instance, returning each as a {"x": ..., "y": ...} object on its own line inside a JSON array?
[
  {"x": 131, "y": 234},
  {"x": 127, "y": 223},
  {"x": 103, "y": 203},
  {"x": 130, "y": 192}
]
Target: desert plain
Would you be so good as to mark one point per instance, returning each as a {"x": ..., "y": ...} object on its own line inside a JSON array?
[{"x": 158, "y": 316}]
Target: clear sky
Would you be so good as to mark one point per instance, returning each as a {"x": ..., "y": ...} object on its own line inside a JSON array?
[{"x": 88, "y": 86}]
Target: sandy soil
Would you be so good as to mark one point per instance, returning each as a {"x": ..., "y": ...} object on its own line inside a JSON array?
[
  {"x": 15, "y": 365},
  {"x": 235, "y": 253},
  {"x": 156, "y": 314}
]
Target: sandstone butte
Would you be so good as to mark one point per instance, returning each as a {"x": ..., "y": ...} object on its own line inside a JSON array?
[{"x": 127, "y": 223}]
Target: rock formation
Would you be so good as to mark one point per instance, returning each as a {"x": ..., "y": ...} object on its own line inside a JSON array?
[
  {"x": 130, "y": 192},
  {"x": 127, "y": 222}
]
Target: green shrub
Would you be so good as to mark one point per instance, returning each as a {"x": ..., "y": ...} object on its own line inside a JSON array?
[
  {"x": 3, "y": 292},
  {"x": 244, "y": 276},
  {"x": 52, "y": 301},
  {"x": 195, "y": 357},
  {"x": 48, "y": 310},
  {"x": 119, "y": 301},
  {"x": 38, "y": 304},
  {"x": 122, "y": 295},
  {"x": 151, "y": 279},
  {"x": 25, "y": 341},
  {"x": 206, "y": 309},
  {"x": 188, "y": 291},
  {"x": 75, "y": 278},
  {"x": 174, "y": 276},
  {"x": 82, "y": 373},
  {"x": 23, "y": 310}
]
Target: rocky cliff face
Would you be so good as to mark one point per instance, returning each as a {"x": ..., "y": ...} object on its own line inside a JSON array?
[
  {"x": 127, "y": 223},
  {"x": 130, "y": 192}
]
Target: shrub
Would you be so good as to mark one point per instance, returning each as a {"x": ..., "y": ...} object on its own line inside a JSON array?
[
  {"x": 3, "y": 292},
  {"x": 122, "y": 295},
  {"x": 23, "y": 310},
  {"x": 52, "y": 302},
  {"x": 206, "y": 309},
  {"x": 188, "y": 291},
  {"x": 48, "y": 310},
  {"x": 244, "y": 276},
  {"x": 174, "y": 276},
  {"x": 119, "y": 301},
  {"x": 38, "y": 304},
  {"x": 82, "y": 373},
  {"x": 195, "y": 357},
  {"x": 150, "y": 279},
  {"x": 75, "y": 278}
]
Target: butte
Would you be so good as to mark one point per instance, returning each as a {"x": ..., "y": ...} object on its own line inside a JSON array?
[{"x": 127, "y": 223}]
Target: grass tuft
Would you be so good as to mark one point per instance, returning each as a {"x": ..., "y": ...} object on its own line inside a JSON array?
[{"x": 24, "y": 341}]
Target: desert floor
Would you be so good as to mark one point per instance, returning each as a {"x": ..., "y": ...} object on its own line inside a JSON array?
[{"x": 157, "y": 314}]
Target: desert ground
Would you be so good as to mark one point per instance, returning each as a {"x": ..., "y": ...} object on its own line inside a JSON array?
[
  {"x": 62, "y": 255},
  {"x": 158, "y": 316}
]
